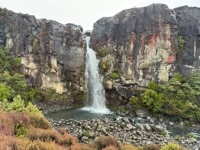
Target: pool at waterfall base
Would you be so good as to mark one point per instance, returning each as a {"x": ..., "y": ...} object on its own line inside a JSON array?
[{"x": 85, "y": 113}]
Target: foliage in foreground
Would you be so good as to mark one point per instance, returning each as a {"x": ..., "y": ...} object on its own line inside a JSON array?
[
  {"x": 171, "y": 146},
  {"x": 28, "y": 131},
  {"x": 18, "y": 105},
  {"x": 178, "y": 98}
]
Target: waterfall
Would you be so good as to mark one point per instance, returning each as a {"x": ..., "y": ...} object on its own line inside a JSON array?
[{"x": 95, "y": 101}]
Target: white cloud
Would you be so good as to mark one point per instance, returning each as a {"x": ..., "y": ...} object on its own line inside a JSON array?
[{"x": 82, "y": 12}]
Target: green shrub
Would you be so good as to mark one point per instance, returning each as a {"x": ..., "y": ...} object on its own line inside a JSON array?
[
  {"x": 8, "y": 62},
  {"x": 153, "y": 100},
  {"x": 85, "y": 133},
  {"x": 178, "y": 137},
  {"x": 33, "y": 109},
  {"x": 178, "y": 98},
  {"x": 114, "y": 76},
  {"x": 171, "y": 146},
  {"x": 17, "y": 105},
  {"x": 164, "y": 133},
  {"x": 5, "y": 92},
  {"x": 135, "y": 102},
  {"x": 20, "y": 130},
  {"x": 191, "y": 136},
  {"x": 153, "y": 86},
  {"x": 181, "y": 43},
  {"x": 103, "y": 52},
  {"x": 105, "y": 66}
]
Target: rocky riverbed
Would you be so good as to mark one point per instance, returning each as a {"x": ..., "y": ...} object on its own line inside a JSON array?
[{"x": 126, "y": 130}]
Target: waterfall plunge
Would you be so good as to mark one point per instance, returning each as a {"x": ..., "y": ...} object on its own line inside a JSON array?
[{"x": 95, "y": 90}]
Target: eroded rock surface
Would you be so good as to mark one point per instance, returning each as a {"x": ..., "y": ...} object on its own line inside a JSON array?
[
  {"x": 147, "y": 44},
  {"x": 144, "y": 41},
  {"x": 52, "y": 54}
]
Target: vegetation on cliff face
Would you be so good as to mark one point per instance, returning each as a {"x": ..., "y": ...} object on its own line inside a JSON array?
[
  {"x": 12, "y": 82},
  {"x": 178, "y": 98},
  {"x": 181, "y": 43}
]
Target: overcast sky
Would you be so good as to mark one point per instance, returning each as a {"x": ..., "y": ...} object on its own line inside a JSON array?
[{"x": 82, "y": 12}]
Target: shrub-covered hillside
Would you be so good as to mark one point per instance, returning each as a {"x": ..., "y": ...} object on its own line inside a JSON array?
[{"x": 179, "y": 98}]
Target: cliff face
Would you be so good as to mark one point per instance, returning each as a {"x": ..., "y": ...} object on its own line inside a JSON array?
[
  {"x": 188, "y": 19},
  {"x": 52, "y": 54},
  {"x": 149, "y": 43}
]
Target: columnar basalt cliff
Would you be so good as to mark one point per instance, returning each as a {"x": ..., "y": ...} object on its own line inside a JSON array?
[
  {"x": 148, "y": 44},
  {"x": 52, "y": 54}
]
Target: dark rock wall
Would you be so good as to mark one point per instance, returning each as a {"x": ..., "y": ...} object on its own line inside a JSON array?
[
  {"x": 52, "y": 54},
  {"x": 188, "y": 19}
]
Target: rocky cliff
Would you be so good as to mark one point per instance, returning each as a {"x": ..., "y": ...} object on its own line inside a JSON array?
[
  {"x": 52, "y": 54},
  {"x": 148, "y": 44},
  {"x": 188, "y": 23}
]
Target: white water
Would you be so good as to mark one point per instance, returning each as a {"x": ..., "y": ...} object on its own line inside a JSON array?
[{"x": 95, "y": 90}]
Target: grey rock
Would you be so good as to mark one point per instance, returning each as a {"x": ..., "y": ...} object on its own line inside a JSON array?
[
  {"x": 126, "y": 119},
  {"x": 129, "y": 126},
  {"x": 159, "y": 128},
  {"x": 85, "y": 138},
  {"x": 171, "y": 123},
  {"x": 148, "y": 128}
]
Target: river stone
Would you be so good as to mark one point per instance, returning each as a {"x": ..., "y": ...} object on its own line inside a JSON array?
[
  {"x": 129, "y": 126},
  {"x": 148, "y": 143},
  {"x": 85, "y": 138},
  {"x": 171, "y": 123},
  {"x": 91, "y": 134},
  {"x": 159, "y": 128},
  {"x": 148, "y": 128},
  {"x": 141, "y": 112},
  {"x": 126, "y": 119}
]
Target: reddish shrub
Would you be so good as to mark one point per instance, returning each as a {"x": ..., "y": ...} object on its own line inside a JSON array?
[
  {"x": 128, "y": 147},
  {"x": 104, "y": 141},
  {"x": 6, "y": 129},
  {"x": 87, "y": 147},
  {"x": 48, "y": 135},
  {"x": 18, "y": 118},
  {"x": 6, "y": 124},
  {"x": 110, "y": 148},
  {"x": 26, "y": 144},
  {"x": 7, "y": 142},
  {"x": 38, "y": 121},
  {"x": 152, "y": 147}
]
